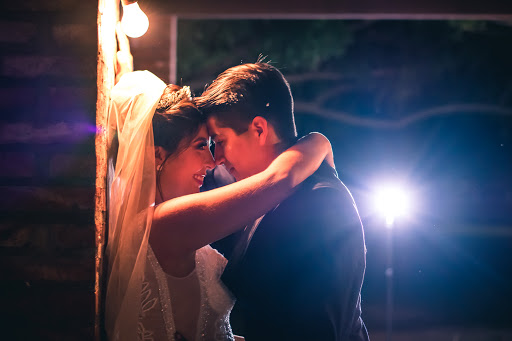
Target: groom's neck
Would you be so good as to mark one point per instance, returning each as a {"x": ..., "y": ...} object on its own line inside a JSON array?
[
  {"x": 268, "y": 153},
  {"x": 282, "y": 145},
  {"x": 278, "y": 148},
  {"x": 274, "y": 151}
]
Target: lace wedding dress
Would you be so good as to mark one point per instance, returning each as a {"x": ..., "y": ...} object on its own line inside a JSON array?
[{"x": 157, "y": 318}]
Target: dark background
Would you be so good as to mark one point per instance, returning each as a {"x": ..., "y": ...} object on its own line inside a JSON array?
[{"x": 424, "y": 103}]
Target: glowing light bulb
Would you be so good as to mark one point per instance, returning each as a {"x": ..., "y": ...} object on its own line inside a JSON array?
[
  {"x": 135, "y": 22},
  {"x": 392, "y": 203}
]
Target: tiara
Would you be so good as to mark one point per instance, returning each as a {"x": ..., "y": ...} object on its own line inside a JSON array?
[{"x": 175, "y": 97}]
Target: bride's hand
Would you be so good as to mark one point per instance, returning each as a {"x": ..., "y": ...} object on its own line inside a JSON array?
[{"x": 124, "y": 58}]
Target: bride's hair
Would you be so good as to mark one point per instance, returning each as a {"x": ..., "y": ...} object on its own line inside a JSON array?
[{"x": 176, "y": 121}]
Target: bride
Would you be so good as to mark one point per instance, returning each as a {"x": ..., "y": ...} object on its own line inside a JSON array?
[{"x": 163, "y": 277}]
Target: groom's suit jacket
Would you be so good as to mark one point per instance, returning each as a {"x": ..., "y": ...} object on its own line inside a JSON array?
[{"x": 297, "y": 275}]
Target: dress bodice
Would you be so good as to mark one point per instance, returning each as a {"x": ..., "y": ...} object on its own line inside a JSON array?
[{"x": 157, "y": 317}]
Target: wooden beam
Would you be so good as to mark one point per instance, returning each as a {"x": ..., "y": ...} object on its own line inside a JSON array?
[
  {"x": 335, "y": 9},
  {"x": 173, "y": 49},
  {"x": 108, "y": 14}
]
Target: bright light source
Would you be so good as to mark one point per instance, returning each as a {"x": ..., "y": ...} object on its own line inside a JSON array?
[
  {"x": 392, "y": 202},
  {"x": 135, "y": 22}
]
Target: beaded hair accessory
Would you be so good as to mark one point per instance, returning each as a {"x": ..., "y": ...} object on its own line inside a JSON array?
[{"x": 170, "y": 99}]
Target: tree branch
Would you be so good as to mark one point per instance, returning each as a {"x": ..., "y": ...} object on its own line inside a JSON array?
[
  {"x": 450, "y": 109},
  {"x": 320, "y": 99}
]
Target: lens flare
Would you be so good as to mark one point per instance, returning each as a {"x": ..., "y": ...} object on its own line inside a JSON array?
[{"x": 392, "y": 202}]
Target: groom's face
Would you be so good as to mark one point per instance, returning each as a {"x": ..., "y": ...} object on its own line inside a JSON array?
[{"x": 236, "y": 152}]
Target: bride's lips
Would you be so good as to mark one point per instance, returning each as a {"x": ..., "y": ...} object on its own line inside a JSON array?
[{"x": 199, "y": 178}]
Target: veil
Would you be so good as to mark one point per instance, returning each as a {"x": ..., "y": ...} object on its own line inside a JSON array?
[{"x": 131, "y": 199}]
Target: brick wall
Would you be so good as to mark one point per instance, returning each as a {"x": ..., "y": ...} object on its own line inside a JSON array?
[{"x": 47, "y": 169}]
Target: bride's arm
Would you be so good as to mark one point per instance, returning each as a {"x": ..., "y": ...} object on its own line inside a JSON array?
[{"x": 186, "y": 223}]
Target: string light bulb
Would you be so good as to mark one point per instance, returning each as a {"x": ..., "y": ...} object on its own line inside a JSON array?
[{"x": 135, "y": 22}]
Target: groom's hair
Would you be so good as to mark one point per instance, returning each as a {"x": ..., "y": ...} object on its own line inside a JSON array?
[{"x": 245, "y": 91}]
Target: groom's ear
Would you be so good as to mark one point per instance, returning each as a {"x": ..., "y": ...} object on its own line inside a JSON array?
[{"x": 259, "y": 128}]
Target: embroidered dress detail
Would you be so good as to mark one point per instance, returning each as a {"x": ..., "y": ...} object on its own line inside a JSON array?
[{"x": 157, "y": 317}]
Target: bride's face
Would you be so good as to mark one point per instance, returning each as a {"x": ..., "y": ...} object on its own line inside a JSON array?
[{"x": 184, "y": 172}]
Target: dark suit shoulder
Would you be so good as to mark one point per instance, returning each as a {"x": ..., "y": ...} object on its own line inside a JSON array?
[
  {"x": 322, "y": 190},
  {"x": 321, "y": 211}
]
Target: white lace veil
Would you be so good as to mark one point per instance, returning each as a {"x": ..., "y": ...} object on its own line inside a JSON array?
[{"x": 132, "y": 198}]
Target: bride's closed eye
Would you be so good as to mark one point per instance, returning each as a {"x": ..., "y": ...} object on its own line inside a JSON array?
[{"x": 203, "y": 145}]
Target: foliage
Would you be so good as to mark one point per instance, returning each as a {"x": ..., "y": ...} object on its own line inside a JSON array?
[
  {"x": 375, "y": 70},
  {"x": 210, "y": 46}
]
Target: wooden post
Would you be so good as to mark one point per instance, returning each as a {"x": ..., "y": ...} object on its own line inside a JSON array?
[
  {"x": 173, "y": 50},
  {"x": 108, "y": 15}
]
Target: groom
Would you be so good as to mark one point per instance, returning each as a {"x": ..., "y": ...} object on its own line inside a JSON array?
[{"x": 297, "y": 271}]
